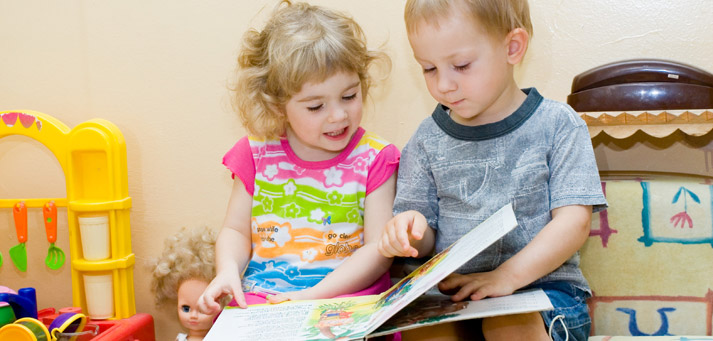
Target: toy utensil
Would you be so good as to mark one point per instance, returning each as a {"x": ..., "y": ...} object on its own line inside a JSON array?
[
  {"x": 18, "y": 253},
  {"x": 55, "y": 255}
]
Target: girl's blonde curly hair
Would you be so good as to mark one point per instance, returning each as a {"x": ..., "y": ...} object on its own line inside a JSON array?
[
  {"x": 300, "y": 43},
  {"x": 189, "y": 254}
]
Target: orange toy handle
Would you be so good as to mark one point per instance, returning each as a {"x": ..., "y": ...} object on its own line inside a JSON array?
[
  {"x": 20, "y": 214},
  {"x": 49, "y": 211}
]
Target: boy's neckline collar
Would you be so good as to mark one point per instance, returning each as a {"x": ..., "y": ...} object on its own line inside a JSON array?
[{"x": 491, "y": 130}]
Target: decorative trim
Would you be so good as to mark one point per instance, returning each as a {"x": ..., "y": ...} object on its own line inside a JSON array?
[{"x": 654, "y": 123}]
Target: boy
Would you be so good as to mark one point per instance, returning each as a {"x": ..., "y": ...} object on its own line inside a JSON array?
[{"x": 488, "y": 143}]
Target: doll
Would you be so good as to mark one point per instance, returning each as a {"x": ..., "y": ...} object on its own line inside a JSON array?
[{"x": 181, "y": 274}]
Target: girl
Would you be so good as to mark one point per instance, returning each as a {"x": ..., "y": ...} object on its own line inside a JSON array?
[
  {"x": 312, "y": 190},
  {"x": 180, "y": 275}
]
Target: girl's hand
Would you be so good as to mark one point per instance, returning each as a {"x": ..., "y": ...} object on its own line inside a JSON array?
[
  {"x": 291, "y": 296},
  {"x": 477, "y": 285},
  {"x": 399, "y": 234},
  {"x": 223, "y": 284}
]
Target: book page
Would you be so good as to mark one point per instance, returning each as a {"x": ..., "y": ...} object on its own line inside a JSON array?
[
  {"x": 327, "y": 319},
  {"x": 434, "y": 309},
  {"x": 444, "y": 263},
  {"x": 279, "y": 322},
  {"x": 355, "y": 317}
]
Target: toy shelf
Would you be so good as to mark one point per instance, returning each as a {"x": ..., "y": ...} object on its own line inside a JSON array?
[{"x": 93, "y": 158}]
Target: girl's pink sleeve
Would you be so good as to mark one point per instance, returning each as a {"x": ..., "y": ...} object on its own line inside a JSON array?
[
  {"x": 384, "y": 165},
  {"x": 239, "y": 160}
]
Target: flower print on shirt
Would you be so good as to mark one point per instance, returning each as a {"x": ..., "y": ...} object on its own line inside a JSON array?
[
  {"x": 333, "y": 177},
  {"x": 354, "y": 216},
  {"x": 308, "y": 255},
  {"x": 335, "y": 198},
  {"x": 289, "y": 188},
  {"x": 282, "y": 235},
  {"x": 291, "y": 167},
  {"x": 270, "y": 171},
  {"x": 292, "y": 210},
  {"x": 360, "y": 165},
  {"x": 267, "y": 204},
  {"x": 286, "y": 166},
  {"x": 292, "y": 271},
  {"x": 317, "y": 215}
]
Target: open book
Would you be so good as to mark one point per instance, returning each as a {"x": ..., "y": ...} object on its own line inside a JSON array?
[{"x": 359, "y": 317}]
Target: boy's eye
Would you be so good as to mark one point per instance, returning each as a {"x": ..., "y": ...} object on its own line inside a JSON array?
[
  {"x": 349, "y": 97},
  {"x": 462, "y": 67},
  {"x": 315, "y": 108},
  {"x": 185, "y": 308}
]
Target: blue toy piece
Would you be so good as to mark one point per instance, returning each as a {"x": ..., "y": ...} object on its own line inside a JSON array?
[{"x": 24, "y": 304}]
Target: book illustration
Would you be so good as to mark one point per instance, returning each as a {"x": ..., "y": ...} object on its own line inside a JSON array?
[
  {"x": 351, "y": 318},
  {"x": 436, "y": 308},
  {"x": 336, "y": 320},
  {"x": 432, "y": 308},
  {"x": 402, "y": 287}
]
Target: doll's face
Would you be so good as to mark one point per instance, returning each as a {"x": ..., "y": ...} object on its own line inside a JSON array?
[{"x": 196, "y": 322}]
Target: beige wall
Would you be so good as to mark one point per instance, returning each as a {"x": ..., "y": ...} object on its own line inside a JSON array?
[{"x": 158, "y": 70}]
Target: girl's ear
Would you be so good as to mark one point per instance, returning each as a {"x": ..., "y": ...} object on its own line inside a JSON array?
[
  {"x": 277, "y": 110},
  {"x": 517, "y": 41}
]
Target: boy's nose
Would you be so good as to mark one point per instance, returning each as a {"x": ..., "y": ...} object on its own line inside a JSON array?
[{"x": 445, "y": 83}]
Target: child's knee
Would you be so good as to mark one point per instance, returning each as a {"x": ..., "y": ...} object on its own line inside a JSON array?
[
  {"x": 459, "y": 330},
  {"x": 528, "y": 326}
]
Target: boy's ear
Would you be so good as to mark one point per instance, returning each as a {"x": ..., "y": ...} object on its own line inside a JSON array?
[{"x": 517, "y": 41}]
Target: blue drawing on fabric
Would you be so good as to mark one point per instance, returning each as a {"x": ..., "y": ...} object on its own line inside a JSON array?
[
  {"x": 634, "y": 328},
  {"x": 679, "y": 220},
  {"x": 283, "y": 276},
  {"x": 683, "y": 217}
]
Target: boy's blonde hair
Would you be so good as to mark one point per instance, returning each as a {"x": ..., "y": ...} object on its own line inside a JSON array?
[
  {"x": 300, "y": 43},
  {"x": 498, "y": 17}
]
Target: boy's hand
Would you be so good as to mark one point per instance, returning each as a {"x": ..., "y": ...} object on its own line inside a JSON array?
[
  {"x": 400, "y": 232},
  {"x": 476, "y": 285},
  {"x": 221, "y": 285}
]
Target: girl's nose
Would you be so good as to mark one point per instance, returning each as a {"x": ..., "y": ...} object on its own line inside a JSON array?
[{"x": 337, "y": 114}]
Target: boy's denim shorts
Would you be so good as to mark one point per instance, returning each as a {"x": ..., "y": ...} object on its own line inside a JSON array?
[{"x": 570, "y": 303}]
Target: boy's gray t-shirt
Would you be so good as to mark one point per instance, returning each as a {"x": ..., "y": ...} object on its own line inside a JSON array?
[{"x": 539, "y": 158}]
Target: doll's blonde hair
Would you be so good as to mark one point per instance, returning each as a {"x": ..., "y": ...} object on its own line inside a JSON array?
[
  {"x": 498, "y": 17},
  {"x": 189, "y": 254},
  {"x": 300, "y": 43}
]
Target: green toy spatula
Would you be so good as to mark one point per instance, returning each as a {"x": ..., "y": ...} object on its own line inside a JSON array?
[{"x": 18, "y": 253}]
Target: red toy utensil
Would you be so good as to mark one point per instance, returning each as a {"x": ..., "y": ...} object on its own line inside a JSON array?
[{"x": 55, "y": 255}]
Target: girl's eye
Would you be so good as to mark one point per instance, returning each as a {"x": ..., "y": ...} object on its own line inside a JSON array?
[
  {"x": 350, "y": 97},
  {"x": 462, "y": 67},
  {"x": 315, "y": 108},
  {"x": 429, "y": 70},
  {"x": 185, "y": 308}
]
